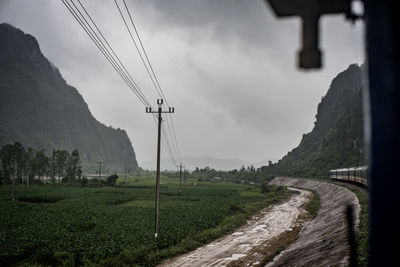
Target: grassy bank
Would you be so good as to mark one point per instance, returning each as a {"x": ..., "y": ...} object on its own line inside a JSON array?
[{"x": 313, "y": 205}]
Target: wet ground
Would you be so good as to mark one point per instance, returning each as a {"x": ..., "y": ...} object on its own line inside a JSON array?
[
  {"x": 319, "y": 242},
  {"x": 323, "y": 242},
  {"x": 245, "y": 242}
]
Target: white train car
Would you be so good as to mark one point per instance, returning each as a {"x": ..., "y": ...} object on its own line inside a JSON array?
[{"x": 356, "y": 175}]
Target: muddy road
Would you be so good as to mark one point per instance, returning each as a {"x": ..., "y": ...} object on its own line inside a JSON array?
[
  {"x": 323, "y": 242},
  {"x": 244, "y": 244}
]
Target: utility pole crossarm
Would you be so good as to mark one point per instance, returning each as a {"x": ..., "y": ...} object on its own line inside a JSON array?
[
  {"x": 159, "y": 110},
  {"x": 170, "y": 110}
]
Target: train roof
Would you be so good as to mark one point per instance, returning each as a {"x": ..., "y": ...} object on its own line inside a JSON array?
[{"x": 361, "y": 168}]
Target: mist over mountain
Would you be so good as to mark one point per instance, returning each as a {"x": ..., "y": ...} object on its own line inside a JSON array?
[
  {"x": 337, "y": 139},
  {"x": 39, "y": 109},
  {"x": 192, "y": 162}
]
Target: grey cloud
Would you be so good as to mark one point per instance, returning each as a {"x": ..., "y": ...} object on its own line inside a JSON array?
[
  {"x": 228, "y": 66},
  {"x": 248, "y": 21}
]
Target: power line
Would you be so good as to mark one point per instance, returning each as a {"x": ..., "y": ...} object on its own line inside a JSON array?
[
  {"x": 103, "y": 49},
  {"x": 145, "y": 53},
  {"x": 174, "y": 143},
  {"x": 112, "y": 50},
  {"x": 168, "y": 148},
  {"x": 168, "y": 144},
  {"x": 137, "y": 49},
  {"x": 108, "y": 52},
  {"x": 165, "y": 142},
  {"x": 158, "y": 86}
]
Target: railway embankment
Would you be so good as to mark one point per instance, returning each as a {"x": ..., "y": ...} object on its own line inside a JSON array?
[{"x": 324, "y": 240}]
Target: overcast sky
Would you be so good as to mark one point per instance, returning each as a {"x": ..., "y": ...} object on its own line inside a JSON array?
[{"x": 227, "y": 66}]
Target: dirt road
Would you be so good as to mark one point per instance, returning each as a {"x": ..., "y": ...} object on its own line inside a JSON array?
[{"x": 267, "y": 224}]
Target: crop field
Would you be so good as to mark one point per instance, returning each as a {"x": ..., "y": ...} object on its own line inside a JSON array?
[{"x": 61, "y": 225}]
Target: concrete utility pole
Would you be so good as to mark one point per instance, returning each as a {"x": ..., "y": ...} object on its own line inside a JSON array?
[
  {"x": 159, "y": 112},
  {"x": 185, "y": 175},
  {"x": 27, "y": 174},
  {"x": 180, "y": 179},
  {"x": 99, "y": 162},
  {"x": 125, "y": 171},
  {"x": 13, "y": 183}
]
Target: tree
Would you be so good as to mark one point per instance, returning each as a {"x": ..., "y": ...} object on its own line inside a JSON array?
[
  {"x": 53, "y": 166},
  {"x": 18, "y": 163},
  {"x": 41, "y": 163},
  {"x": 61, "y": 162},
  {"x": 73, "y": 166},
  {"x": 112, "y": 179},
  {"x": 29, "y": 157},
  {"x": 19, "y": 154},
  {"x": 7, "y": 158}
]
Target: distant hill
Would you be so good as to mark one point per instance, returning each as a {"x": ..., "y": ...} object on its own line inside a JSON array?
[
  {"x": 39, "y": 109},
  {"x": 192, "y": 162},
  {"x": 336, "y": 140}
]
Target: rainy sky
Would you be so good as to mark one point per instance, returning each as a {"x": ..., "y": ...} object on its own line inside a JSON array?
[{"x": 227, "y": 66}]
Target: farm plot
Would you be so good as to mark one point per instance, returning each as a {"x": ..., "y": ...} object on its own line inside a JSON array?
[{"x": 59, "y": 225}]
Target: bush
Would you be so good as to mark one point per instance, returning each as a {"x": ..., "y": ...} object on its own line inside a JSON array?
[
  {"x": 40, "y": 199},
  {"x": 234, "y": 208},
  {"x": 112, "y": 180},
  {"x": 265, "y": 188},
  {"x": 84, "y": 181}
]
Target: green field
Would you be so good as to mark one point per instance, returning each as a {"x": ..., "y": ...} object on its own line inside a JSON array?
[{"x": 60, "y": 225}]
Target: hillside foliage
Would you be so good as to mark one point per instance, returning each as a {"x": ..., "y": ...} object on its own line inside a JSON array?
[
  {"x": 337, "y": 139},
  {"x": 40, "y": 110}
]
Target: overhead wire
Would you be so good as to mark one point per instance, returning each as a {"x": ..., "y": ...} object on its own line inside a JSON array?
[
  {"x": 168, "y": 118},
  {"x": 109, "y": 53},
  {"x": 138, "y": 50},
  {"x": 171, "y": 157},
  {"x": 112, "y": 50},
  {"x": 155, "y": 81},
  {"x": 176, "y": 141},
  {"x": 145, "y": 53},
  {"x": 148, "y": 66},
  {"x": 80, "y": 18},
  {"x": 168, "y": 145}
]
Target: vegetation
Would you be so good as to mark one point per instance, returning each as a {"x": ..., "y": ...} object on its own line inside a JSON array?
[
  {"x": 313, "y": 205},
  {"x": 112, "y": 179},
  {"x": 249, "y": 175},
  {"x": 40, "y": 110},
  {"x": 30, "y": 166},
  {"x": 59, "y": 225},
  {"x": 362, "y": 234},
  {"x": 336, "y": 140},
  {"x": 113, "y": 224}
]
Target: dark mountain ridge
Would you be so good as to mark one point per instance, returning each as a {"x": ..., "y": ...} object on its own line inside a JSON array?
[
  {"x": 39, "y": 109},
  {"x": 337, "y": 139}
]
